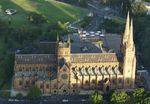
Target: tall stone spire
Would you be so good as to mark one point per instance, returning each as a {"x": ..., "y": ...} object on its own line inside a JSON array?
[
  {"x": 127, "y": 29},
  {"x": 130, "y": 38}
]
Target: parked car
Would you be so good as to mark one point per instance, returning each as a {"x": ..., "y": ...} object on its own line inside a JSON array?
[
  {"x": 65, "y": 100},
  {"x": 11, "y": 11}
]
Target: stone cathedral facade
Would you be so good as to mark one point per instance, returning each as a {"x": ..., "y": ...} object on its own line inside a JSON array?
[{"x": 68, "y": 72}]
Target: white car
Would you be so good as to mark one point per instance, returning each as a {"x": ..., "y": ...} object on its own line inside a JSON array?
[
  {"x": 97, "y": 34},
  {"x": 84, "y": 35},
  {"x": 92, "y": 32},
  {"x": 92, "y": 35},
  {"x": 10, "y": 11},
  {"x": 102, "y": 35},
  {"x": 65, "y": 100}
]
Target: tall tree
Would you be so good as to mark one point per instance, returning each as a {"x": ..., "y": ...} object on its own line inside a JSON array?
[
  {"x": 119, "y": 98},
  {"x": 34, "y": 93},
  {"x": 96, "y": 98},
  {"x": 139, "y": 95}
]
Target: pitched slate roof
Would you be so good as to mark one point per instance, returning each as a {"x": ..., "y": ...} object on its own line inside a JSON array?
[
  {"x": 35, "y": 58},
  {"x": 94, "y": 58},
  {"x": 50, "y": 74}
]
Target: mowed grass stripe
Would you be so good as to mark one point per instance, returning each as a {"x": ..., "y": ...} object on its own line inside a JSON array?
[{"x": 52, "y": 10}]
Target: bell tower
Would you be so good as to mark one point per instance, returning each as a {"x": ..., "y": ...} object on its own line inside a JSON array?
[
  {"x": 63, "y": 68},
  {"x": 63, "y": 49},
  {"x": 129, "y": 58}
]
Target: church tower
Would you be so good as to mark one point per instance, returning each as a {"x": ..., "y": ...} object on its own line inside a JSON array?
[
  {"x": 63, "y": 68},
  {"x": 129, "y": 58},
  {"x": 63, "y": 49}
]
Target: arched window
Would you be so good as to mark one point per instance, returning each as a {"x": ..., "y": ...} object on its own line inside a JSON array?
[
  {"x": 64, "y": 70},
  {"x": 27, "y": 83},
  {"x": 93, "y": 81},
  {"x": 64, "y": 91},
  {"x": 86, "y": 82},
  {"x": 47, "y": 86},
  {"x": 41, "y": 86},
  {"x": 20, "y": 69},
  {"x": 74, "y": 85},
  {"x": 20, "y": 83},
  {"x": 73, "y": 69}
]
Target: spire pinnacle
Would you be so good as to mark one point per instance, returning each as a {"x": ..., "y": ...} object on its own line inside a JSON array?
[
  {"x": 57, "y": 37},
  {"x": 127, "y": 28},
  {"x": 130, "y": 39},
  {"x": 68, "y": 38}
]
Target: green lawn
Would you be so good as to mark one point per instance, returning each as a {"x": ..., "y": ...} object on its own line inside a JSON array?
[{"x": 52, "y": 10}]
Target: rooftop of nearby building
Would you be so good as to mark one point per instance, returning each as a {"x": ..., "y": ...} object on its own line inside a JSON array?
[{"x": 110, "y": 42}]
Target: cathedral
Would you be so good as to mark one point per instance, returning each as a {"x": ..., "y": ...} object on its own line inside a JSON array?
[{"x": 67, "y": 71}]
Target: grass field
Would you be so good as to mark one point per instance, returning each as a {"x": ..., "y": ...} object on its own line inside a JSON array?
[{"x": 52, "y": 10}]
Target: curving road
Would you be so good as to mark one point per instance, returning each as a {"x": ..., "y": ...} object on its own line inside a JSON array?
[{"x": 99, "y": 13}]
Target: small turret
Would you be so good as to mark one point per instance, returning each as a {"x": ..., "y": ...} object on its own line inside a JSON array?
[{"x": 57, "y": 38}]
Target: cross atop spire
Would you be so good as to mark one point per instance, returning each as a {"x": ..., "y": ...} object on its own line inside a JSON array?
[{"x": 127, "y": 29}]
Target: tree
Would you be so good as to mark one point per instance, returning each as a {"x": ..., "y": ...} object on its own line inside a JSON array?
[
  {"x": 83, "y": 3},
  {"x": 104, "y": 2},
  {"x": 19, "y": 95},
  {"x": 4, "y": 28},
  {"x": 113, "y": 26},
  {"x": 34, "y": 93},
  {"x": 119, "y": 98},
  {"x": 96, "y": 98},
  {"x": 138, "y": 8},
  {"x": 128, "y": 5},
  {"x": 139, "y": 95},
  {"x": 36, "y": 18},
  {"x": 146, "y": 100}
]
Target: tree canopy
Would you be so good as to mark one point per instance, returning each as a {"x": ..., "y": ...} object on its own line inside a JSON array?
[
  {"x": 34, "y": 93},
  {"x": 119, "y": 97},
  {"x": 96, "y": 98}
]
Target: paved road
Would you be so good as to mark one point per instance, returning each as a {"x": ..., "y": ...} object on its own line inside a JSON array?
[
  {"x": 56, "y": 99},
  {"x": 99, "y": 13}
]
